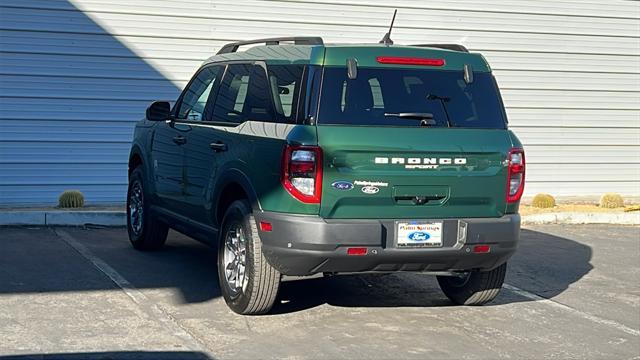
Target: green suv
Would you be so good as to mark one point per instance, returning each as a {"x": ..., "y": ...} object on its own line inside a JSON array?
[{"x": 298, "y": 158}]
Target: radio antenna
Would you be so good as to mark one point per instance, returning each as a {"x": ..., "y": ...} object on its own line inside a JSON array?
[{"x": 387, "y": 37}]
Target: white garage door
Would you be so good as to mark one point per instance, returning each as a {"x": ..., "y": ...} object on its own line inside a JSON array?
[{"x": 76, "y": 74}]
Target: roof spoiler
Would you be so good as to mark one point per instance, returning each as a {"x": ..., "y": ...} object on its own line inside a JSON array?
[
  {"x": 297, "y": 40},
  {"x": 454, "y": 47}
]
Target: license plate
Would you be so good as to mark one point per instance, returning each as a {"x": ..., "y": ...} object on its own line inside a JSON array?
[{"x": 419, "y": 234}]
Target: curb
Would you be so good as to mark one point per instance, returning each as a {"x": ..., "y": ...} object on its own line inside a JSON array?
[
  {"x": 57, "y": 217},
  {"x": 118, "y": 218},
  {"x": 630, "y": 218}
]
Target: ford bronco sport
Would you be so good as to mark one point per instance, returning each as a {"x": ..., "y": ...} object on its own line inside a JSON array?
[{"x": 298, "y": 157}]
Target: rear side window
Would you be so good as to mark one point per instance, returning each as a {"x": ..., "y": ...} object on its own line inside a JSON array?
[
  {"x": 244, "y": 95},
  {"x": 285, "y": 81},
  {"x": 249, "y": 92},
  {"x": 376, "y": 94}
]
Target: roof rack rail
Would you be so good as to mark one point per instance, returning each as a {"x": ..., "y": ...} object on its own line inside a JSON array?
[
  {"x": 297, "y": 40},
  {"x": 454, "y": 47}
]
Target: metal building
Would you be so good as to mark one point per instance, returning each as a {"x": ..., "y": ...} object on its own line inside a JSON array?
[{"x": 76, "y": 74}]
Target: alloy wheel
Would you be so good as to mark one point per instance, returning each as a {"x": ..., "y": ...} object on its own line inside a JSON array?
[
  {"x": 235, "y": 259},
  {"x": 136, "y": 208}
]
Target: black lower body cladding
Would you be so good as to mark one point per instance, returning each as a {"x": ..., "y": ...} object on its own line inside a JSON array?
[{"x": 305, "y": 245}]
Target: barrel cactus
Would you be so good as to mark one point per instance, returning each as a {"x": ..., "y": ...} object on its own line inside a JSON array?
[
  {"x": 611, "y": 200},
  {"x": 71, "y": 199},
  {"x": 543, "y": 201}
]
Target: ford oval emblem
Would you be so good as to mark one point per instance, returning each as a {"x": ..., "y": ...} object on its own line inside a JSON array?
[
  {"x": 370, "y": 189},
  {"x": 342, "y": 185},
  {"x": 419, "y": 236}
]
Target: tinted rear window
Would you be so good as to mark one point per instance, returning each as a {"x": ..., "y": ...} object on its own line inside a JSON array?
[{"x": 376, "y": 92}]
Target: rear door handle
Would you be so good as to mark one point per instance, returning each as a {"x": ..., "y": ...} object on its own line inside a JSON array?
[
  {"x": 180, "y": 140},
  {"x": 219, "y": 146}
]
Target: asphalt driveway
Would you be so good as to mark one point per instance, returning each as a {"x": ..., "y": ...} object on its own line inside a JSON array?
[{"x": 571, "y": 292}]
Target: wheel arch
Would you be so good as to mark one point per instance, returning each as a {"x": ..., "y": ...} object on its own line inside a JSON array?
[
  {"x": 135, "y": 159},
  {"x": 232, "y": 185}
]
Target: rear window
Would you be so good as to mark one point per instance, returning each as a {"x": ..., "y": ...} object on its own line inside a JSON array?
[{"x": 377, "y": 94}]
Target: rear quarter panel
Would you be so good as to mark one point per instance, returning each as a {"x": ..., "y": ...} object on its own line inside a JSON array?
[{"x": 266, "y": 142}]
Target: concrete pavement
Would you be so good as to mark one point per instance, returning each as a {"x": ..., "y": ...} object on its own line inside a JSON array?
[{"x": 572, "y": 292}]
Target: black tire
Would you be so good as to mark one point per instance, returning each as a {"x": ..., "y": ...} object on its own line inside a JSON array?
[
  {"x": 152, "y": 233},
  {"x": 477, "y": 288},
  {"x": 260, "y": 282}
]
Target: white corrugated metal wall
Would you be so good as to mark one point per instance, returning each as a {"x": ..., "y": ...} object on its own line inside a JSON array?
[{"x": 76, "y": 74}]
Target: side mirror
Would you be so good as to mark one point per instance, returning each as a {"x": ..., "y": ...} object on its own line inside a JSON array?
[{"x": 158, "y": 111}]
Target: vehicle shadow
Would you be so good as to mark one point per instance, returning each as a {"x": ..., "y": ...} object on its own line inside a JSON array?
[
  {"x": 38, "y": 261},
  {"x": 124, "y": 355},
  {"x": 544, "y": 264},
  {"x": 183, "y": 264}
]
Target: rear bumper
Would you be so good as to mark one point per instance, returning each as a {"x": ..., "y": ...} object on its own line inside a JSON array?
[{"x": 305, "y": 245}]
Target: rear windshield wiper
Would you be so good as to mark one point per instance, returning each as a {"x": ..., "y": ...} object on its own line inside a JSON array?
[
  {"x": 443, "y": 100},
  {"x": 426, "y": 119}
]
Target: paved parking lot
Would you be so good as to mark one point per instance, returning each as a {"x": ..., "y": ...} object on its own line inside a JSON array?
[{"x": 571, "y": 292}]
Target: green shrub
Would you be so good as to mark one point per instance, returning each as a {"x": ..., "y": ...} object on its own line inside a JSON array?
[
  {"x": 611, "y": 200},
  {"x": 543, "y": 201},
  {"x": 71, "y": 199}
]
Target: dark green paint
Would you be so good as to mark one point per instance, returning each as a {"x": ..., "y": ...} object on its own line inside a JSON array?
[
  {"x": 365, "y": 54},
  {"x": 264, "y": 170},
  {"x": 184, "y": 178},
  {"x": 476, "y": 189}
]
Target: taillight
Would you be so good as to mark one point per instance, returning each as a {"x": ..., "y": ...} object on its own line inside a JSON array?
[
  {"x": 401, "y": 60},
  {"x": 515, "y": 179},
  {"x": 302, "y": 172}
]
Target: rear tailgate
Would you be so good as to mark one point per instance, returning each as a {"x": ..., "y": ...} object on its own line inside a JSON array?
[{"x": 413, "y": 172}]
